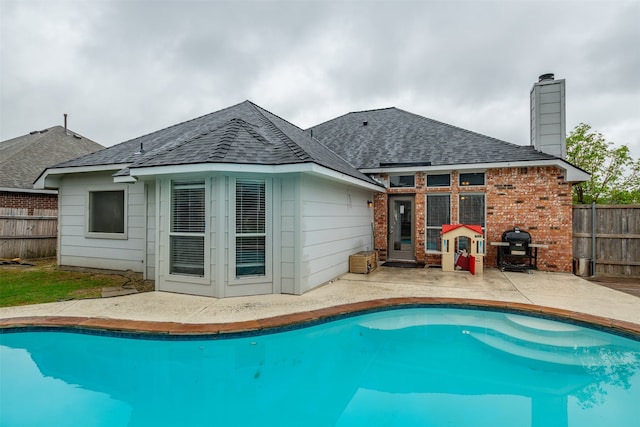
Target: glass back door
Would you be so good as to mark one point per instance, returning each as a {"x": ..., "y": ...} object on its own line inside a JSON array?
[{"x": 401, "y": 229}]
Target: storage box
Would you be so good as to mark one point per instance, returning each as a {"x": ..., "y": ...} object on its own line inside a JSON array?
[{"x": 363, "y": 262}]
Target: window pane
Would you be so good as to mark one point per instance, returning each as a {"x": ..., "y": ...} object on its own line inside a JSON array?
[
  {"x": 438, "y": 213},
  {"x": 250, "y": 256},
  {"x": 472, "y": 209},
  {"x": 187, "y": 207},
  {"x": 402, "y": 181},
  {"x": 250, "y": 206},
  {"x": 438, "y": 210},
  {"x": 472, "y": 179},
  {"x": 441, "y": 180},
  {"x": 106, "y": 211},
  {"x": 187, "y": 255},
  {"x": 250, "y": 221}
]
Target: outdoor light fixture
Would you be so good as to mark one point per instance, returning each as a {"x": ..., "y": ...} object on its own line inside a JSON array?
[{"x": 369, "y": 203}]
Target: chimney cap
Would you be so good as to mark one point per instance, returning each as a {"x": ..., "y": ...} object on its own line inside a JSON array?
[{"x": 547, "y": 76}]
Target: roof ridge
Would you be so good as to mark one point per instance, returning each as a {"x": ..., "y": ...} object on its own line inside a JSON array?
[
  {"x": 170, "y": 146},
  {"x": 295, "y": 148},
  {"x": 225, "y": 141},
  {"x": 179, "y": 124},
  {"x": 234, "y": 125},
  {"x": 273, "y": 114}
]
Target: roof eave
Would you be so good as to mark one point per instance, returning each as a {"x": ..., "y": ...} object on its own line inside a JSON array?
[
  {"x": 308, "y": 167},
  {"x": 573, "y": 174},
  {"x": 50, "y": 178},
  {"x": 27, "y": 190}
]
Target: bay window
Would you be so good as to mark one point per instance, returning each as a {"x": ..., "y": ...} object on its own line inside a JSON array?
[
  {"x": 250, "y": 227},
  {"x": 187, "y": 232}
]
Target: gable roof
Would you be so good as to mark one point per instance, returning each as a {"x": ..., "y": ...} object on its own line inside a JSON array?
[
  {"x": 242, "y": 134},
  {"x": 22, "y": 159},
  {"x": 375, "y": 138}
]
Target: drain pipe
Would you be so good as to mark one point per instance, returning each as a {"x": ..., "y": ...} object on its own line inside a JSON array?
[{"x": 593, "y": 238}]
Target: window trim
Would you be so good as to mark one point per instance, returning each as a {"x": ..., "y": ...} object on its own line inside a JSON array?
[
  {"x": 426, "y": 180},
  {"x": 460, "y": 173},
  {"x": 403, "y": 174},
  {"x": 112, "y": 236},
  {"x": 268, "y": 241},
  {"x": 426, "y": 227},
  {"x": 176, "y": 277},
  {"x": 484, "y": 226}
]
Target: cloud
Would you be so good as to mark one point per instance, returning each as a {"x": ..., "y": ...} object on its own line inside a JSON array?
[{"x": 125, "y": 68}]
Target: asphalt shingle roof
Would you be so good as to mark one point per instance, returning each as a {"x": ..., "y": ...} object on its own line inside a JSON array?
[
  {"x": 22, "y": 159},
  {"x": 242, "y": 134},
  {"x": 391, "y": 135}
]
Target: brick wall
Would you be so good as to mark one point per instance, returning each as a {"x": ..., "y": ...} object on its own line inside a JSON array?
[
  {"x": 536, "y": 199},
  {"x": 30, "y": 201}
]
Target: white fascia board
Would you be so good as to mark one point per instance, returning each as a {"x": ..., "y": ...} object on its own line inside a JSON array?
[
  {"x": 124, "y": 179},
  {"x": 573, "y": 174},
  {"x": 259, "y": 169},
  {"x": 338, "y": 176},
  {"x": 27, "y": 190},
  {"x": 45, "y": 179}
]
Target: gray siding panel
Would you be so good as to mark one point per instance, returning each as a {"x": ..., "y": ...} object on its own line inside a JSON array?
[
  {"x": 77, "y": 249},
  {"x": 336, "y": 223}
]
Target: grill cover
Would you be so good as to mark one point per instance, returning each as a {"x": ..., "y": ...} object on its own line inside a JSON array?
[{"x": 518, "y": 241}]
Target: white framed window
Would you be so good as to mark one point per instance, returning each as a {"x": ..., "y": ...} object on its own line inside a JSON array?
[
  {"x": 251, "y": 245},
  {"x": 188, "y": 228},
  {"x": 438, "y": 213},
  {"x": 106, "y": 213}
]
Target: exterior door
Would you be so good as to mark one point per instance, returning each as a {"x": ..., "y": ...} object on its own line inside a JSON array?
[{"x": 401, "y": 228}]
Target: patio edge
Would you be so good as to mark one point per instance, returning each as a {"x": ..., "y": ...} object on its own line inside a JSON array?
[{"x": 160, "y": 329}]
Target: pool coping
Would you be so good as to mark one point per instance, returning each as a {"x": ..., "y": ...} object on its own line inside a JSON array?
[{"x": 160, "y": 329}]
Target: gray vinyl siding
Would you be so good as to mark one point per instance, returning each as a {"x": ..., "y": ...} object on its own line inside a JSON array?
[
  {"x": 288, "y": 226},
  {"x": 150, "y": 272},
  {"x": 335, "y": 223},
  {"x": 76, "y": 249}
]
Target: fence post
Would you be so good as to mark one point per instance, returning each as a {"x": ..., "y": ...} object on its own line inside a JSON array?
[{"x": 593, "y": 238}]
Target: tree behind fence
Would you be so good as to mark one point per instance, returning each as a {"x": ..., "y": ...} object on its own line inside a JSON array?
[
  {"x": 28, "y": 236},
  {"x": 617, "y": 238}
]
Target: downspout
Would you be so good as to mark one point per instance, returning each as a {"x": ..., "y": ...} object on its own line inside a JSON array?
[{"x": 593, "y": 239}]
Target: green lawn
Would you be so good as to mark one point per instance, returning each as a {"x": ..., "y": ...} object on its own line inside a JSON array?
[{"x": 20, "y": 286}]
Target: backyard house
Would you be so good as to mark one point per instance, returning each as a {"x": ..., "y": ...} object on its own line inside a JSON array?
[
  {"x": 28, "y": 215},
  {"x": 436, "y": 174},
  {"x": 237, "y": 202},
  {"x": 242, "y": 202}
]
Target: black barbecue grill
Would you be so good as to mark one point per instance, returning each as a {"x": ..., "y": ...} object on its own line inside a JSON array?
[{"x": 517, "y": 255}]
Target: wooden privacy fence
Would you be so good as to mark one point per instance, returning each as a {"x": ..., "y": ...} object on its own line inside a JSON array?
[
  {"x": 28, "y": 236},
  {"x": 617, "y": 239}
]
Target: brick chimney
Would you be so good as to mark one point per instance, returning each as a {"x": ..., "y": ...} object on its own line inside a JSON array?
[{"x": 548, "y": 122}]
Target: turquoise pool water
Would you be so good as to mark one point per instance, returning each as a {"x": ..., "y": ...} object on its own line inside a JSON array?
[{"x": 405, "y": 367}]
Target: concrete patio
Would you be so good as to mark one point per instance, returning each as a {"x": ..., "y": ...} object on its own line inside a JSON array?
[{"x": 559, "y": 294}]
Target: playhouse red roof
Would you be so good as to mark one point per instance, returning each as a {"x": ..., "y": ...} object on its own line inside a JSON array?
[{"x": 450, "y": 227}]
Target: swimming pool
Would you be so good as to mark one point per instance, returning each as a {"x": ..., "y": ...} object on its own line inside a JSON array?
[{"x": 405, "y": 367}]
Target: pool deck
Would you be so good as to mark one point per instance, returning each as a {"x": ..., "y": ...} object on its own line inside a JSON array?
[{"x": 550, "y": 294}]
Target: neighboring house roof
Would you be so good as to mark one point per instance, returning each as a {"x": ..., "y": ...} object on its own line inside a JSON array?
[
  {"x": 22, "y": 159},
  {"x": 377, "y": 138},
  {"x": 242, "y": 134}
]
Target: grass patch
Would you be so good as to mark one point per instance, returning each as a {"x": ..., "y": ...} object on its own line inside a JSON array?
[{"x": 21, "y": 286}]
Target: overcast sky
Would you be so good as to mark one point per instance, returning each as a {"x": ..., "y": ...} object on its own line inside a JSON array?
[{"x": 125, "y": 68}]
